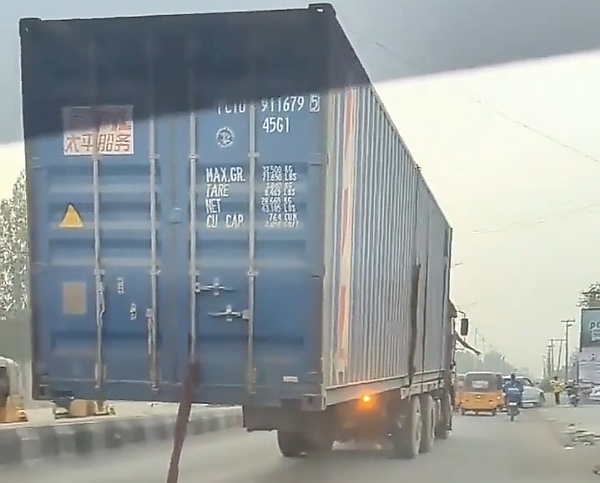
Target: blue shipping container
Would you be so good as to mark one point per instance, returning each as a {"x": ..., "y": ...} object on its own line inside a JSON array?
[{"x": 201, "y": 190}]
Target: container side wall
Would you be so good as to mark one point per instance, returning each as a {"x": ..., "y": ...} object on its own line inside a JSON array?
[
  {"x": 371, "y": 336},
  {"x": 437, "y": 296},
  {"x": 387, "y": 224}
]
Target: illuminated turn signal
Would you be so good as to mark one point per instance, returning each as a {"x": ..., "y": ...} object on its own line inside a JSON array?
[{"x": 366, "y": 399}]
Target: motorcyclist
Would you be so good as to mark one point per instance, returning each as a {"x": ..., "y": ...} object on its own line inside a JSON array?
[
  {"x": 513, "y": 390},
  {"x": 572, "y": 393}
]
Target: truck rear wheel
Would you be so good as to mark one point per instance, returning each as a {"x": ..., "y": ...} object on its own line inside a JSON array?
[
  {"x": 428, "y": 413},
  {"x": 291, "y": 445},
  {"x": 321, "y": 443},
  {"x": 407, "y": 430}
]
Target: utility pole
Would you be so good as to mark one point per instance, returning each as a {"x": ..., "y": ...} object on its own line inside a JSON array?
[
  {"x": 576, "y": 351},
  {"x": 559, "y": 357},
  {"x": 555, "y": 364},
  {"x": 568, "y": 324}
]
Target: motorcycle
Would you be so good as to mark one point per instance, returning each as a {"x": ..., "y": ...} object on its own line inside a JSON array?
[
  {"x": 573, "y": 396},
  {"x": 512, "y": 409}
]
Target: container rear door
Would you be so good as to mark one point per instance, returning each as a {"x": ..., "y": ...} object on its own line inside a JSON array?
[
  {"x": 254, "y": 187},
  {"x": 254, "y": 258},
  {"x": 107, "y": 223},
  {"x": 101, "y": 256}
]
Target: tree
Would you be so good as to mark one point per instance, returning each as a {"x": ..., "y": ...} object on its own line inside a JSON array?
[
  {"x": 466, "y": 362},
  {"x": 497, "y": 362},
  {"x": 14, "y": 273},
  {"x": 590, "y": 298},
  {"x": 491, "y": 361}
]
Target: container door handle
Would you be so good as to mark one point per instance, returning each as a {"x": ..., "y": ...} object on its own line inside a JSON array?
[
  {"x": 215, "y": 288},
  {"x": 229, "y": 314}
]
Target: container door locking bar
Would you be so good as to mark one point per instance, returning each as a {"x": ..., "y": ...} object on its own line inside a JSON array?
[{"x": 152, "y": 311}]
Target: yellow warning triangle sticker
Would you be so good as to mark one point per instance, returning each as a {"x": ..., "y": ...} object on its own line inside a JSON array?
[{"x": 71, "y": 218}]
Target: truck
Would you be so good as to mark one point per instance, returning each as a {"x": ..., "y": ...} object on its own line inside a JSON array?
[{"x": 228, "y": 190}]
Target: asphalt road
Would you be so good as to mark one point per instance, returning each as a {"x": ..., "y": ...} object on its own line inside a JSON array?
[{"x": 481, "y": 448}]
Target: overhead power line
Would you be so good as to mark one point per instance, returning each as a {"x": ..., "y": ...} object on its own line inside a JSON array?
[{"x": 522, "y": 124}]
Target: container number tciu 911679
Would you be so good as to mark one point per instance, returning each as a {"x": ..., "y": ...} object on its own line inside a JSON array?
[{"x": 278, "y": 110}]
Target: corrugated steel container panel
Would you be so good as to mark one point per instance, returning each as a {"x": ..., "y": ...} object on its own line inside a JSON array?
[
  {"x": 370, "y": 280},
  {"x": 390, "y": 228},
  {"x": 243, "y": 209},
  {"x": 437, "y": 288}
]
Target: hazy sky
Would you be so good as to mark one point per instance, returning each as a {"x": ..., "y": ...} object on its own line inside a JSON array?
[{"x": 525, "y": 208}]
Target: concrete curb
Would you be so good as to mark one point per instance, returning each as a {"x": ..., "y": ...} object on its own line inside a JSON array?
[{"x": 29, "y": 444}]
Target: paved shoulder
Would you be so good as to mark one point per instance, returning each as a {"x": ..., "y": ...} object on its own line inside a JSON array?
[
  {"x": 581, "y": 415},
  {"x": 577, "y": 430}
]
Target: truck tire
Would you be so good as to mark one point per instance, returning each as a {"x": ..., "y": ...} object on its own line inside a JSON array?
[
  {"x": 323, "y": 443},
  {"x": 444, "y": 425},
  {"x": 429, "y": 415},
  {"x": 407, "y": 430},
  {"x": 291, "y": 445}
]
